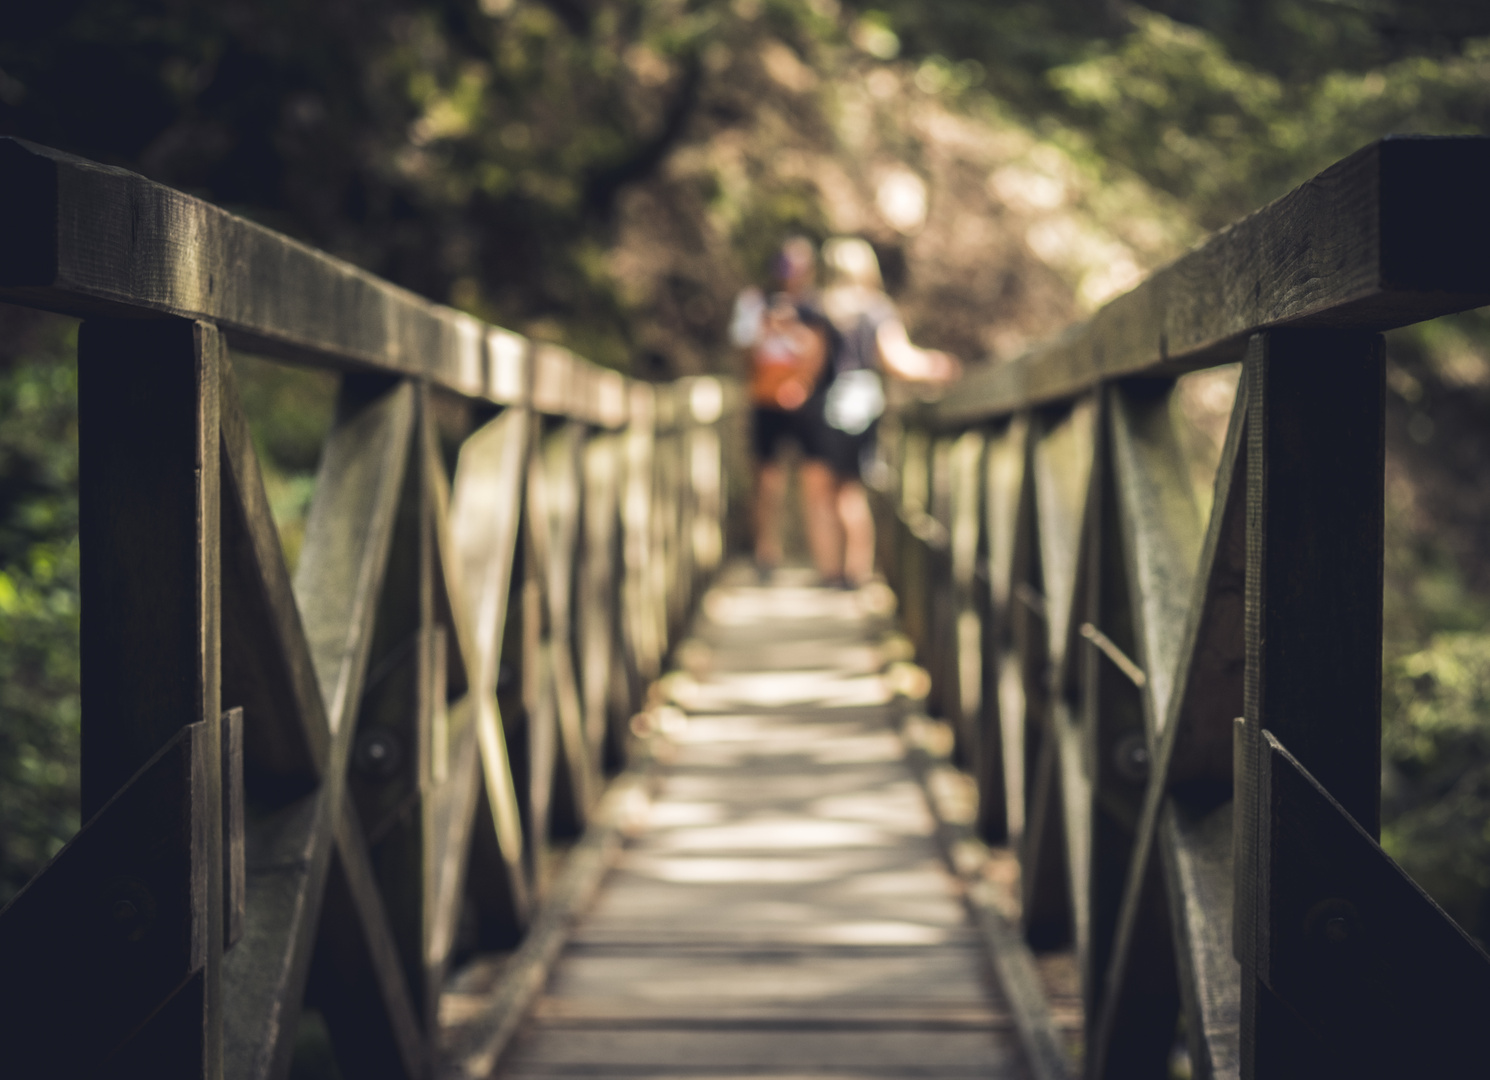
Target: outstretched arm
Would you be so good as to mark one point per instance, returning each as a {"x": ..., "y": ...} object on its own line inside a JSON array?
[{"x": 907, "y": 361}]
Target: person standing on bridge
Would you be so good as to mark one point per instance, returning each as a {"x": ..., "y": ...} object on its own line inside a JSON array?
[
  {"x": 790, "y": 343},
  {"x": 872, "y": 339}
]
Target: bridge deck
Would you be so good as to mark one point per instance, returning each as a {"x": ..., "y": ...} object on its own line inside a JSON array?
[{"x": 784, "y": 910}]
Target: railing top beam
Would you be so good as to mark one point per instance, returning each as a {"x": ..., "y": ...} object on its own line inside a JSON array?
[
  {"x": 1394, "y": 234},
  {"x": 87, "y": 239}
]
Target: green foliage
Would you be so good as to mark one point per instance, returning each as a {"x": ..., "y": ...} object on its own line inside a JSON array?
[
  {"x": 289, "y": 412},
  {"x": 1172, "y": 103},
  {"x": 39, "y": 604},
  {"x": 1436, "y": 743},
  {"x": 478, "y": 152}
]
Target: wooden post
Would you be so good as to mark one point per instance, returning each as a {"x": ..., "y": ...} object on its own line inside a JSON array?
[
  {"x": 151, "y": 659},
  {"x": 1119, "y": 759},
  {"x": 1313, "y": 627}
]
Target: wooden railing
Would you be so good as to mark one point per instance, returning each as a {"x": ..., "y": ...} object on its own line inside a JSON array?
[
  {"x": 325, "y": 782},
  {"x": 1176, "y": 720}
]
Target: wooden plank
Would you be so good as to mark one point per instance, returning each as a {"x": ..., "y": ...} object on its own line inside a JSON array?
[
  {"x": 358, "y": 978},
  {"x": 909, "y": 1053},
  {"x": 698, "y": 981},
  {"x": 116, "y": 925},
  {"x": 87, "y": 239},
  {"x": 1195, "y": 845},
  {"x": 609, "y": 1012},
  {"x": 561, "y": 461},
  {"x": 148, "y": 501},
  {"x": 390, "y": 768},
  {"x": 1062, "y": 469},
  {"x": 1353, "y": 946},
  {"x": 1047, "y": 903},
  {"x": 454, "y": 756},
  {"x": 234, "y": 851},
  {"x": 1315, "y": 452},
  {"x": 267, "y": 665},
  {"x": 1003, "y": 696},
  {"x": 1013, "y": 964},
  {"x": 599, "y": 614},
  {"x": 289, "y": 850},
  {"x": 1188, "y": 770},
  {"x": 1061, "y": 472},
  {"x": 1161, "y": 534},
  {"x": 486, "y": 511},
  {"x": 472, "y": 1050},
  {"x": 1313, "y": 618},
  {"x": 1119, "y": 745},
  {"x": 644, "y": 646},
  {"x": 1389, "y": 236},
  {"x": 452, "y": 611}
]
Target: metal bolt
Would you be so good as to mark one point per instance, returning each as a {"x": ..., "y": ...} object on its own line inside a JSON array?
[
  {"x": 1335, "y": 923},
  {"x": 125, "y": 913},
  {"x": 1130, "y": 757},
  {"x": 128, "y": 909},
  {"x": 378, "y": 754}
]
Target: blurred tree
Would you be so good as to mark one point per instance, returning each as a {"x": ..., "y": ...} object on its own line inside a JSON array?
[
  {"x": 609, "y": 172},
  {"x": 39, "y": 607}
]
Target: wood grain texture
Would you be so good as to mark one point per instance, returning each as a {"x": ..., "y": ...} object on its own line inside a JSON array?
[
  {"x": 1393, "y": 234},
  {"x": 1003, "y": 694},
  {"x": 1315, "y": 466},
  {"x": 1012, "y": 960},
  {"x": 87, "y": 239},
  {"x": 389, "y": 777},
  {"x": 149, "y": 519},
  {"x": 234, "y": 851},
  {"x": 1188, "y": 616},
  {"x": 780, "y": 908},
  {"x": 1195, "y": 848},
  {"x": 1143, "y": 1005},
  {"x": 598, "y": 609},
  {"x": 1353, "y": 946},
  {"x": 116, "y": 925},
  {"x": 358, "y": 978},
  {"x": 1315, "y": 448},
  {"x": 340, "y": 574}
]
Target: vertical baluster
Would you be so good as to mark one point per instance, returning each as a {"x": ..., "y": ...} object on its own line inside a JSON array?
[
  {"x": 1313, "y": 627},
  {"x": 148, "y": 502}
]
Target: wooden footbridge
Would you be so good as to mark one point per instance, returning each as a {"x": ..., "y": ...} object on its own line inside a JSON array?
[{"x": 516, "y": 775}]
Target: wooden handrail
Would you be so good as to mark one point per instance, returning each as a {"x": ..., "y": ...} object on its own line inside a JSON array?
[
  {"x": 346, "y": 777},
  {"x": 1394, "y": 234},
  {"x": 89, "y": 240},
  {"x": 1175, "y": 718}
]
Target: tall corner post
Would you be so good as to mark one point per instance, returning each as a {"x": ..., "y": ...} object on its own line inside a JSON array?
[
  {"x": 151, "y": 655},
  {"x": 1313, "y": 625}
]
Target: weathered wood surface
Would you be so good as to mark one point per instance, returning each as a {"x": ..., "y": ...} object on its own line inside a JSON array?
[
  {"x": 357, "y": 817},
  {"x": 1393, "y": 234},
  {"x": 783, "y": 909},
  {"x": 87, "y": 239}
]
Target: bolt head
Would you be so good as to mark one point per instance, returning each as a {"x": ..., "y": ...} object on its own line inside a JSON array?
[
  {"x": 128, "y": 909},
  {"x": 378, "y": 753}
]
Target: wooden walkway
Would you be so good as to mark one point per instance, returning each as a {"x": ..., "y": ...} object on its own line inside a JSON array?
[{"x": 784, "y": 910}]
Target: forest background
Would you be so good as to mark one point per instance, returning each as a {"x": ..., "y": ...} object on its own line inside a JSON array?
[{"x": 607, "y": 173}]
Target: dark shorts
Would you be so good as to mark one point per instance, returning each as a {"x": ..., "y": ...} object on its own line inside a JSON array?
[
  {"x": 773, "y": 428},
  {"x": 845, "y": 454}
]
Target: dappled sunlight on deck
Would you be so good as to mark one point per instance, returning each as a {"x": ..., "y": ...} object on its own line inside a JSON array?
[{"x": 781, "y": 908}]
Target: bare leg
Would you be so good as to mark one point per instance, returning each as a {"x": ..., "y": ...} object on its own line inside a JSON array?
[
  {"x": 770, "y": 491},
  {"x": 820, "y": 513},
  {"x": 858, "y": 532}
]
